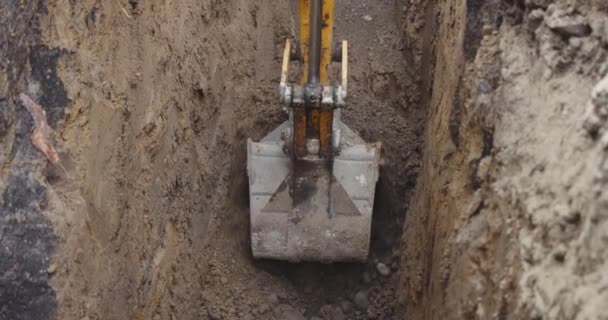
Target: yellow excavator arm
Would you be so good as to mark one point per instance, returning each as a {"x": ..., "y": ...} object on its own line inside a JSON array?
[{"x": 312, "y": 180}]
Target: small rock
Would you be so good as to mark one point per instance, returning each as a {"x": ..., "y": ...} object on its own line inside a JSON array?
[
  {"x": 361, "y": 301},
  {"x": 367, "y": 17},
  {"x": 483, "y": 169},
  {"x": 596, "y": 115},
  {"x": 560, "y": 253},
  {"x": 536, "y": 16},
  {"x": 589, "y": 48},
  {"x": 224, "y": 280},
  {"x": 52, "y": 268},
  {"x": 78, "y": 256},
  {"x": 572, "y": 217},
  {"x": 568, "y": 25},
  {"x": 383, "y": 269},
  {"x": 484, "y": 87},
  {"x": 575, "y": 43},
  {"x": 395, "y": 253},
  {"x": 213, "y": 314},
  {"x": 592, "y": 122}
]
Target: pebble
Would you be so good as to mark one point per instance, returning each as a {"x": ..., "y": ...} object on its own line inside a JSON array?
[
  {"x": 560, "y": 253},
  {"x": 484, "y": 87},
  {"x": 213, "y": 314},
  {"x": 568, "y": 25},
  {"x": 52, "y": 268},
  {"x": 383, "y": 269},
  {"x": 361, "y": 301},
  {"x": 367, "y": 17},
  {"x": 483, "y": 169},
  {"x": 572, "y": 217},
  {"x": 535, "y": 18},
  {"x": 575, "y": 42},
  {"x": 594, "y": 117}
]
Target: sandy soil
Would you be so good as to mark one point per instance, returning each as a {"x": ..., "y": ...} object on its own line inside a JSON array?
[{"x": 507, "y": 220}]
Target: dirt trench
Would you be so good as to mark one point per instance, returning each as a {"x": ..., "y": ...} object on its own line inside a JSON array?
[
  {"x": 484, "y": 110},
  {"x": 148, "y": 208},
  {"x": 509, "y": 206}
]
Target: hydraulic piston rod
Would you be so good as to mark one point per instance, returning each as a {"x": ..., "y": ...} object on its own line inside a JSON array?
[
  {"x": 312, "y": 122},
  {"x": 314, "y": 51}
]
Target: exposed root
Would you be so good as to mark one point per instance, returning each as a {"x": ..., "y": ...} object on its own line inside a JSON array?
[
  {"x": 123, "y": 9},
  {"x": 42, "y": 131}
]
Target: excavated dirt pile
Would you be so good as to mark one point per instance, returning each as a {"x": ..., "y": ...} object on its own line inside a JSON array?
[{"x": 127, "y": 198}]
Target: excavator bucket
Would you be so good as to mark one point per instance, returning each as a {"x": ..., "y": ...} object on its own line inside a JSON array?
[
  {"x": 325, "y": 214},
  {"x": 312, "y": 180}
]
